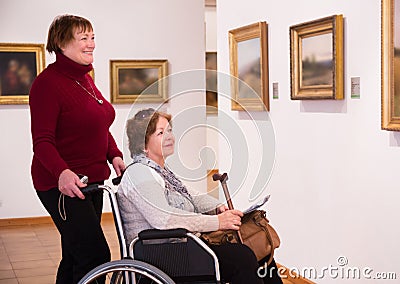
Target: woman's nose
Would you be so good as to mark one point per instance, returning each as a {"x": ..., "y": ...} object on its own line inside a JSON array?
[
  {"x": 168, "y": 136},
  {"x": 92, "y": 43}
]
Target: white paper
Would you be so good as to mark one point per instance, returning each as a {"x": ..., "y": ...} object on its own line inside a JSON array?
[{"x": 257, "y": 205}]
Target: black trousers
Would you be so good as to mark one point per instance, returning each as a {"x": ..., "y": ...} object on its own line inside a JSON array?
[
  {"x": 83, "y": 243},
  {"x": 238, "y": 265}
]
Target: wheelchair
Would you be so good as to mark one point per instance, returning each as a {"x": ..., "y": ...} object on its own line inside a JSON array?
[{"x": 155, "y": 256}]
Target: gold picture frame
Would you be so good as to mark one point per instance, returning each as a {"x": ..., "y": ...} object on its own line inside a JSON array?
[
  {"x": 138, "y": 81},
  {"x": 20, "y": 63},
  {"x": 210, "y": 3},
  {"x": 390, "y": 63},
  {"x": 249, "y": 67},
  {"x": 316, "y": 59},
  {"x": 211, "y": 83},
  {"x": 91, "y": 74}
]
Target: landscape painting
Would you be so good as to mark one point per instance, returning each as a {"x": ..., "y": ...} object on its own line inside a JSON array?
[
  {"x": 317, "y": 61},
  {"x": 136, "y": 80},
  {"x": 248, "y": 50},
  {"x": 140, "y": 81},
  {"x": 249, "y": 67}
]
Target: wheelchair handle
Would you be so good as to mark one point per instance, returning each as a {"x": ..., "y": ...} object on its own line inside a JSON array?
[
  {"x": 90, "y": 188},
  {"x": 116, "y": 180}
]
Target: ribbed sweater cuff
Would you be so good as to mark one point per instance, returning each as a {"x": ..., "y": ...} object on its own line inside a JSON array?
[{"x": 212, "y": 223}]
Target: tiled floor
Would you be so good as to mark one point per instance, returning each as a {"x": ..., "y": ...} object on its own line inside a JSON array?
[{"x": 30, "y": 252}]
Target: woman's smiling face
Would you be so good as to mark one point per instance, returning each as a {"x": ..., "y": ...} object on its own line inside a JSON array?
[
  {"x": 80, "y": 48},
  {"x": 161, "y": 143}
]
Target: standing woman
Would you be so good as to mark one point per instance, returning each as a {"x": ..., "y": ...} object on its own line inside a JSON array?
[{"x": 70, "y": 121}]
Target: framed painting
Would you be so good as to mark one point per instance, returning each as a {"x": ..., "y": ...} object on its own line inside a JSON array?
[
  {"x": 138, "y": 81},
  {"x": 91, "y": 74},
  {"x": 211, "y": 83},
  {"x": 316, "y": 59},
  {"x": 210, "y": 3},
  {"x": 212, "y": 186},
  {"x": 249, "y": 67},
  {"x": 20, "y": 63},
  {"x": 390, "y": 61}
]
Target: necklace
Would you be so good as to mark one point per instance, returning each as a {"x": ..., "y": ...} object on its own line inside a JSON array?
[{"x": 92, "y": 95}]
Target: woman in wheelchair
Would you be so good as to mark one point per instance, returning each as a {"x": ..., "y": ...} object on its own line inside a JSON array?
[{"x": 151, "y": 196}]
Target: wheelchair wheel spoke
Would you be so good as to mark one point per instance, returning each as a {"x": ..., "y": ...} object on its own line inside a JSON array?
[{"x": 126, "y": 272}]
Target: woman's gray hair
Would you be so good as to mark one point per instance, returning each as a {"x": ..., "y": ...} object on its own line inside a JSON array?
[{"x": 140, "y": 127}]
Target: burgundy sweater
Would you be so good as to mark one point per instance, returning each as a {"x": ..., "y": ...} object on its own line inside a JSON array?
[{"x": 70, "y": 129}]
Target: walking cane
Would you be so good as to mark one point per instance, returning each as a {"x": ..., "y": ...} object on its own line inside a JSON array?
[{"x": 223, "y": 178}]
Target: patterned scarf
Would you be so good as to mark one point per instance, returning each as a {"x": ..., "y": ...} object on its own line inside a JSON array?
[{"x": 172, "y": 183}]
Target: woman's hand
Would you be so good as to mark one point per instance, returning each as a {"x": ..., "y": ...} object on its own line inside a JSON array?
[
  {"x": 68, "y": 184},
  {"x": 118, "y": 165},
  {"x": 230, "y": 220},
  {"x": 222, "y": 208}
]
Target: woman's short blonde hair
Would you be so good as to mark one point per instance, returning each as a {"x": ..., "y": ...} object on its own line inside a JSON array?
[
  {"x": 141, "y": 126},
  {"x": 62, "y": 29}
]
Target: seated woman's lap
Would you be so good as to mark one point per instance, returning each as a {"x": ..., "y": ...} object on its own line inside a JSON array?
[{"x": 238, "y": 264}]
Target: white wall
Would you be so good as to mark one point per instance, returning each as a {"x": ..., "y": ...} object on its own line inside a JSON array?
[
  {"x": 335, "y": 188},
  {"x": 137, "y": 29},
  {"x": 211, "y": 28},
  {"x": 212, "y": 119}
]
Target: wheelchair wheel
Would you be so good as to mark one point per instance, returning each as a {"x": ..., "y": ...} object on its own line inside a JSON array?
[{"x": 126, "y": 271}]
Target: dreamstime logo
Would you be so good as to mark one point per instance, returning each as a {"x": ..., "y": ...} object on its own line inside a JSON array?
[
  {"x": 340, "y": 270},
  {"x": 342, "y": 261},
  {"x": 246, "y": 140}
]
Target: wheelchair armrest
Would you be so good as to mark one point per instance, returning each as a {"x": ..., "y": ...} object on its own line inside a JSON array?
[{"x": 162, "y": 234}]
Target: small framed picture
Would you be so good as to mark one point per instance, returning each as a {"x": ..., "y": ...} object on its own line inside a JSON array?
[
  {"x": 390, "y": 62},
  {"x": 211, "y": 83},
  {"x": 91, "y": 74},
  {"x": 20, "y": 63},
  {"x": 141, "y": 81},
  {"x": 316, "y": 59},
  {"x": 249, "y": 67}
]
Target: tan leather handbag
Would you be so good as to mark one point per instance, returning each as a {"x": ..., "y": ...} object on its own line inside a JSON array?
[{"x": 255, "y": 231}]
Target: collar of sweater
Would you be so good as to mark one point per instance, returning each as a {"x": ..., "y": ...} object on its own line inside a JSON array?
[{"x": 70, "y": 68}]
